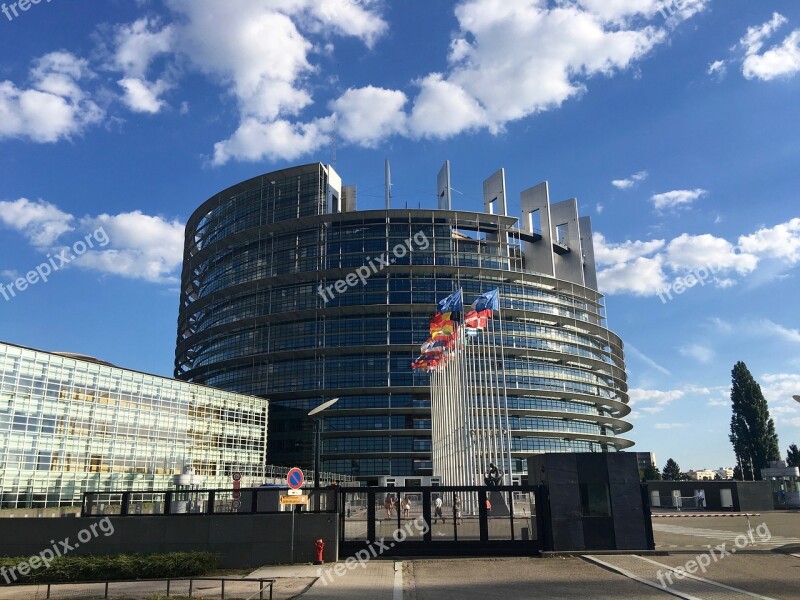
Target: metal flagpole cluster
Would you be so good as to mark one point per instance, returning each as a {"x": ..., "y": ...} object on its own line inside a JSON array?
[{"x": 469, "y": 404}]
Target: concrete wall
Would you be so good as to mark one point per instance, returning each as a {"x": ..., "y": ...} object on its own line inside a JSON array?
[{"x": 240, "y": 541}]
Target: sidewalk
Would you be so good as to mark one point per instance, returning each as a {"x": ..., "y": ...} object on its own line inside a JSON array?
[{"x": 377, "y": 580}]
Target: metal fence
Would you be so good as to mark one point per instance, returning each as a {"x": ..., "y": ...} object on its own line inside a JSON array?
[
  {"x": 248, "y": 587},
  {"x": 203, "y": 502}
]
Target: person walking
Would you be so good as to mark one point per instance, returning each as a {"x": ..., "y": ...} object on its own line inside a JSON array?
[
  {"x": 389, "y": 505},
  {"x": 406, "y": 508},
  {"x": 457, "y": 510},
  {"x": 488, "y": 507},
  {"x": 437, "y": 510}
]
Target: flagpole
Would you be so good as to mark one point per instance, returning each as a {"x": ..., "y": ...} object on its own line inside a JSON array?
[{"x": 505, "y": 392}]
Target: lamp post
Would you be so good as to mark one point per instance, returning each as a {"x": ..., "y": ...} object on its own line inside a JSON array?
[{"x": 318, "y": 436}]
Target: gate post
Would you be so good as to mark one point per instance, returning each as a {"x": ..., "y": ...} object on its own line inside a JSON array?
[
  {"x": 544, "y": 521},
  {"x": 426, "y": 515},
  {"x": 483, "y": 516},
  {"x": 370, "y": 516}
]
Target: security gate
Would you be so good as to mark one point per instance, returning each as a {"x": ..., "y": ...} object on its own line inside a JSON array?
[{"x": 441, "y": 520}]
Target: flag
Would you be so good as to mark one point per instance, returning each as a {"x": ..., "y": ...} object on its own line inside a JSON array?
[
  {"x": 453, "y": 303},
  {"x": 477, "y": 320},
  {"x": 442, "y": 328},
  {"x": 487, "y": 302}
]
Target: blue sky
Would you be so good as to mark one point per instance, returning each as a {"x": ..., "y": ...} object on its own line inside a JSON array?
[{"x": 675, "y": 125}]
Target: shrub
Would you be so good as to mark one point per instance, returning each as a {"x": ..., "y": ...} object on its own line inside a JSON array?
[{"x": 71, "y": 569}]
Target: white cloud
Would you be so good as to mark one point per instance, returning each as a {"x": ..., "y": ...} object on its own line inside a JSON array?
[
  {"x": 687, "y": 252},
  {"x": 700, "y": 353},
  {"x": 259, "y": 50},
  {"x": 677, "y": 198},
  {"x": 256, "y": 141},
  {"x": 643, "y": 268},
  {"x": 142, "y": 95},
  {"x": 781, "y": 241},
  {"x": 40, "y": 222},
  {"x": 137, "y": 45},
  {"x": 632, "y": 350},
  {"x": 368, "y": 115},
  {"x": 778, "y": 389},
  {"x": 718, "y": 67},
  {"x": 626, "y": 184},
  {"x": 775, "y": 330},
  {"x": 140, "y": 246},
  {"x": 611, "y": 254},
  {"x": 781, "y": 60},
  {"x": 599, "y": 208},
  {"x": 444, "y": 109},
  {"x": 496, "y": 74},
  {"x": 653, "y": 401},
  {"x": 640, "y": 277},
  {"x": 671, "y": 425},
  {"x": 54, "y": 107}
]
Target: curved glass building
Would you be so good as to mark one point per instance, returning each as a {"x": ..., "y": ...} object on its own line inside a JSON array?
[{"x": 290, "y": 293}]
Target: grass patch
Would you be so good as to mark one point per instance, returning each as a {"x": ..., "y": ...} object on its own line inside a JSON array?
[{"x": 75, "y": 569}]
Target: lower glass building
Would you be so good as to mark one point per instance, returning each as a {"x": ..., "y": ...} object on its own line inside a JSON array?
[
  {"x": 291, "y": 294},
  {"x": 71, "y": 424}
]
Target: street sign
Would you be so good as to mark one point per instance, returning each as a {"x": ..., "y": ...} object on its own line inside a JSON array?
[
  {"x": 237, "y": 476},
  {"x": 236, "y": 504},
  {"x": 294, "y": 500},
  {"x": 237, "y": 494},
  {"x": 295, "y": 478},
  {"x": 295, "y": 492}
]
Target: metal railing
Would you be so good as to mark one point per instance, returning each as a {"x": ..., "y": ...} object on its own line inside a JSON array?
[
  {"x": 264, "y": 585},
  {"x": 325, "y": 477},
  {"x": 247, "y": 501}
]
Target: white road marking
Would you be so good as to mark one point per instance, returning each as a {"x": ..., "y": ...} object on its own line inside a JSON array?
[
  {"x": 630, "y": 575},
  {"x": 397, "y": 593},
  {"x": 719, "y": 534},
  {"x": 708, "y": 581}
]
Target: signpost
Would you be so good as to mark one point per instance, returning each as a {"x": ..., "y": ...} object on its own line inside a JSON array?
[
  {"x": 295, "y": 480},
  {"x": 237, "y": 484}
]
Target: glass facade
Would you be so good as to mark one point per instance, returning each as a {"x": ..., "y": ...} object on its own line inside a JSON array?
[
  {"x": 69, "y": 426},
  {"x": 261, "y": 314}
]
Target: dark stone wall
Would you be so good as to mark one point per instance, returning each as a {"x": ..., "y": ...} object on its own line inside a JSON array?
[
  {"x": 746, "y": 495},
  {"x": 564, "y": 473},
  {"x": 241, "y": 541}
]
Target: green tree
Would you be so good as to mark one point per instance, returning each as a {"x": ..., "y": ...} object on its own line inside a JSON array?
[
  {"x": 793, "y": 456},
  {"x": 753, "y": 436},
  {"x": 650, "y": 473},
  {"x": 671, "y": 471}
]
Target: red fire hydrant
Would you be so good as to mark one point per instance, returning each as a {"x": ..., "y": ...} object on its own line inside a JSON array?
[{"x": 320, "y": 546}]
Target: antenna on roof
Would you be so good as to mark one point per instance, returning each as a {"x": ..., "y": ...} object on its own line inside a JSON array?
[{"x": 388, "y": 185}]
